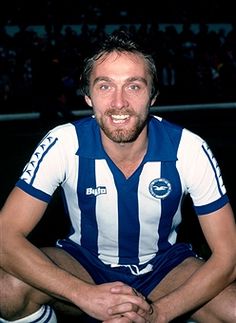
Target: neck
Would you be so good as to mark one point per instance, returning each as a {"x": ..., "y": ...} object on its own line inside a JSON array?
[{"x": 126, "y": 156}]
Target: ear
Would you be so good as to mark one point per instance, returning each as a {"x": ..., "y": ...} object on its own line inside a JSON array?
[
  {"x": 88, "y": 100},
  {"x": 153, "y": 100}
]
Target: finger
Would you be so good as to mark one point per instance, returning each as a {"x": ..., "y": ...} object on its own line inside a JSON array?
[
  {"x": 132, "y": 296},
  {"x": 120, "y": 319},
  {"x": 123, "y": 308},
  {"x": 135, "y": 292},
  {"x": 135, "y": 317},
  {"x": 151, "y": 310},
  {"x": 122, "y": 289},
  {"x": 125, "y": 289}
]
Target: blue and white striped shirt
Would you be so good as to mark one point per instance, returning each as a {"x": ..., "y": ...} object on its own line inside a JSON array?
[{"x": 125, "y": 221}]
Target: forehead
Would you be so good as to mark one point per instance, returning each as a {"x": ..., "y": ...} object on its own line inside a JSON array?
[{"x": 121, "y": 63}]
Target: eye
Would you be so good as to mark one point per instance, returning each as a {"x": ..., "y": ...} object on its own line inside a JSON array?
[
  {"x": 104, "y": 87},
  {"x": 134, "y": 87}
]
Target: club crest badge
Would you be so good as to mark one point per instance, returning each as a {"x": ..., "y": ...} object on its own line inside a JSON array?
[{"x": 160, "y": 188}]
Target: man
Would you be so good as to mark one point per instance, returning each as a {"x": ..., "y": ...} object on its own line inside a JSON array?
[{"x": 123, "y": 175}]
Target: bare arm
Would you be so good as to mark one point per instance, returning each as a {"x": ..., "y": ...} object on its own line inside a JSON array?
[
  {"x": 20, "y": 214},
  {"x": 219, "y": 270},
  {"x": 18, "y": 217}
]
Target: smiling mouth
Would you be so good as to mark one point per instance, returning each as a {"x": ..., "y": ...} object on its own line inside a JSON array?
[{"x": 119, "y": 118}]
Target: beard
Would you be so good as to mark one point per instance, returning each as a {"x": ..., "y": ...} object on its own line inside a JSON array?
[{"x": 124, "y": 135}]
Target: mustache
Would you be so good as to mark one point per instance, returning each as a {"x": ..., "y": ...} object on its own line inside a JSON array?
[{"x": 120, "y": 112}]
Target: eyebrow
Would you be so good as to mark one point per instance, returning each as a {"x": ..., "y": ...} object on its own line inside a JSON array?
[
  {"x": 130, "y": 79},
  {"x": 102, "y": 78}
]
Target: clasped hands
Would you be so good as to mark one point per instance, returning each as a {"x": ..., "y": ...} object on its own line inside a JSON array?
[{"x": 133, "y": 309}]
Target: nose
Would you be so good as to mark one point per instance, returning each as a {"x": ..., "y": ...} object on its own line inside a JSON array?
[{"x": 119, "y": 100}]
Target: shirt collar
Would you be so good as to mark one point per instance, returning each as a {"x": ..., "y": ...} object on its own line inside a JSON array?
[
  {"x": 89, "y": 138},
  {"x": 160, "y": 145}
]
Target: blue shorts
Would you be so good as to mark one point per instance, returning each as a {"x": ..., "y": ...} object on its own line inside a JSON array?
[{"x": 144, "y": 283}]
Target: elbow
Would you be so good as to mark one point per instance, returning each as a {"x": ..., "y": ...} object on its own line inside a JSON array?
[
  {"x": 225, "y": 265},
  {"x": 231, "y": 269},
  {"x": 234, "y": 270}
]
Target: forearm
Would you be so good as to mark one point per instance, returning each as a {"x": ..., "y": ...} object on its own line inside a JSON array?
[
  {"x": 210, "y": 279},
  {"x": 18, "y": 217},
  {"x": 26, "y": 262},
  {"x": 36, "y": 269}
]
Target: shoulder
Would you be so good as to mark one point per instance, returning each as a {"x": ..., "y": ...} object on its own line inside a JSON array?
[
  {"x": 158, "y": 123},
  {"x": 71, "y": 128},
  {"x": 175, "y": 130}
]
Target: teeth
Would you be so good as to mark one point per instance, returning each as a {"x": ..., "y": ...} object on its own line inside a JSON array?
[{"x": 120, "y": 117}]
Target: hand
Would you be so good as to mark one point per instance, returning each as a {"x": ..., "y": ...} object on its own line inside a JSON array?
[
  {"x": 114, "y": 301},
  {"x": 137, "y": 309},
  {"x": 130, "y": 317}
]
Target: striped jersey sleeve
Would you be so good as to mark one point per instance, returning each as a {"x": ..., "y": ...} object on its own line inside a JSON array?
[
  {"x": 201, "y": 173},
  {"x": 47, "y": 168}
]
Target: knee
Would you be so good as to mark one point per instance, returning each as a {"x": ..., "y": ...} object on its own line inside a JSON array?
[
  {"x": 234, "y": 309},
  {"x": 230, "y": 307},
  {"x": 14, "y": 296},
  {"x": 220, "y": 309}
]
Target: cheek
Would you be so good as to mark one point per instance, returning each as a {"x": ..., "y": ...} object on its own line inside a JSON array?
[
  {"x": 99, "y": 106},
  {"x": 100, "y": 101}
]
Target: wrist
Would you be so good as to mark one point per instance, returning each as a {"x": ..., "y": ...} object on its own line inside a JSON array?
[{"x": 161, "y": 312}]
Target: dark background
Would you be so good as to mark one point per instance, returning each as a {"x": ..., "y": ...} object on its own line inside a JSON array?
[
  {"x": 37, "y": 12},
  {"x": 43, "y": 44}
]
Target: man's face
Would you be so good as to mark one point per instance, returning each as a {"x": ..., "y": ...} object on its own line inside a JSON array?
[{"x": 120, "y": 88}]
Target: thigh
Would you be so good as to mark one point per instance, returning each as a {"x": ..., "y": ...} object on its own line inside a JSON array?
[
  {"x": 65, "y": 261},
  {"x": 16, "y": 295},
  {"x": 12, "y": 287},
  {"x": 176, "y": 277},
  {"x": 221, "y": 308}
]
